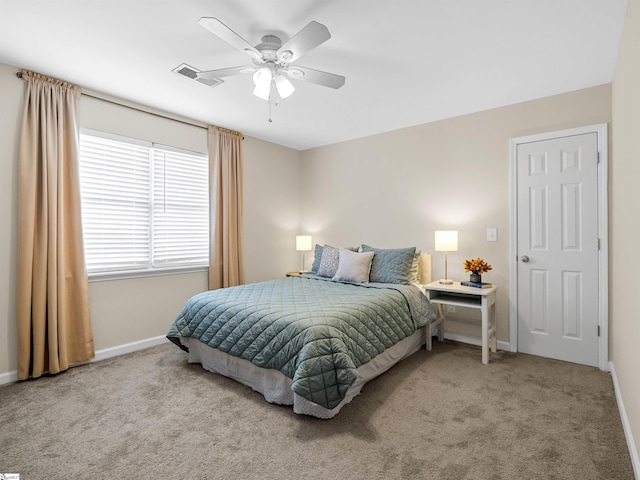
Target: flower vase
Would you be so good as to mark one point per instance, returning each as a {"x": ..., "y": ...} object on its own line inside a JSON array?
[{"x": 475, "y": 278}]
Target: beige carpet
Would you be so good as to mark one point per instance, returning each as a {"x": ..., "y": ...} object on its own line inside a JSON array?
[{"x": 436, "y": 415}]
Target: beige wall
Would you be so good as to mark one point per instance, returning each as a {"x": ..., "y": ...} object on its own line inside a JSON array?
[
  {"x": 271, "y": 209},
  {"x": 396, "y": 188},
  {"x": 129, "y": 310},
  {"x": 624, "y": 233},
  {"x": 10, "y": 114},
  {"x": 136, "y": 309}
]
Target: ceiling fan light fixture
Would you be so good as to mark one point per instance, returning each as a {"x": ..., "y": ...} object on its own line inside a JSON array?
[
  {"x": 284, "y": 86},
  {"x": 263, "y": 77},
  {"x": 262, "y": 91},
  {"x": 271, "y": 60}
]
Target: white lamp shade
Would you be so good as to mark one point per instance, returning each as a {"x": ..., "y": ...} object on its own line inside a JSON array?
[
  {"x": 262, "y": 92},
  {"x": 446, "y": 241},
  {"x": 263, "y": 77},
  {"x": 284, "y": 86},
  {"x": 303, "y": 243}
]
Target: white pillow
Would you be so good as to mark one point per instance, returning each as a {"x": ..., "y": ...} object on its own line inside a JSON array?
[{"x": 354, "y": 266}]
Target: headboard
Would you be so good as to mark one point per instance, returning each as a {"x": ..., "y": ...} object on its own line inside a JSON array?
[{"x": 425, "y": 268}]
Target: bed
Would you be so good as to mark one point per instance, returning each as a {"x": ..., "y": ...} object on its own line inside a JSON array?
[{"x": 313, "y": 340}]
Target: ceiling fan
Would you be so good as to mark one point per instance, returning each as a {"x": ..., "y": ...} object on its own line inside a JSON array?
[{"x": 272, "y": 61}]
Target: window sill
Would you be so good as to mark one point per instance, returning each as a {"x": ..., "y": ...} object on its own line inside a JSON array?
[{"x": 156, "y": 272}]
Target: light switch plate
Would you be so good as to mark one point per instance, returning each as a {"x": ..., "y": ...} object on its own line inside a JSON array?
[{"x": 492, "y": 234}]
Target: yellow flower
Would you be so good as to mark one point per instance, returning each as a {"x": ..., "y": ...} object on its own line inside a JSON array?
[{"x": 478, "y": 266}]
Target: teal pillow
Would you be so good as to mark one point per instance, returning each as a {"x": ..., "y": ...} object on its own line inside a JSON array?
[
  {"x": 317, "y": 257},
  {"x": 391, "y": 265}
]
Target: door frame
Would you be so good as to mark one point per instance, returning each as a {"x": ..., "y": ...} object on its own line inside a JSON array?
[{"x": 603, "y": 228}]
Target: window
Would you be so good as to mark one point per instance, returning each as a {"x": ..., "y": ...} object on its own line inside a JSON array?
[{"x": 145, "y": 207}]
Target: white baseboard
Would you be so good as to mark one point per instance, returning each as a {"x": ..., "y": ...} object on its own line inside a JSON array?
[
  {"x": 474, "y": 341},
  {"x": 633, "y": 451},
  {"x": 129, "y": 347},
  {"x": 8, "y": 377},
  {"x": 103, "y": 354}
]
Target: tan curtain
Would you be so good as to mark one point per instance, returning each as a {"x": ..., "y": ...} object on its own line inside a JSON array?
[
  {"x": 226, "y": 264},
  {"x": 54, "y": 325}
]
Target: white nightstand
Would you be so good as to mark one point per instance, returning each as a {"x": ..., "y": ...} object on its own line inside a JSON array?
[{"x": 483, "y": 299}]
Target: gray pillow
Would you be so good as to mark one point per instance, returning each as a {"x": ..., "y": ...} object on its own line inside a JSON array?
[
  {"x": 353, "y": 266},
  {"x": 391, "y": 265}
]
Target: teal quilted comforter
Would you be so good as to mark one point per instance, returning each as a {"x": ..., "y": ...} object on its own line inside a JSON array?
[{"x": 316, "y": 332}]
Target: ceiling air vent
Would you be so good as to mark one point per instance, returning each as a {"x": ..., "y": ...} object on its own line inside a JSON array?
[{"x": 192, "y": 73}]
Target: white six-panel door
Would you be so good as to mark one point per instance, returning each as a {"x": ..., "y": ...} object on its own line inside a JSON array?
[{"x": 557, "y": 248}]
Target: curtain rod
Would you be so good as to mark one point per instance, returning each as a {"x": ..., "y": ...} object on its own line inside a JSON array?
[{"x": 19, "y": 75}]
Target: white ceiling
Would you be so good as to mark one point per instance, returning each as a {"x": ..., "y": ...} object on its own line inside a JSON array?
[{"x": 406, "y": 62}]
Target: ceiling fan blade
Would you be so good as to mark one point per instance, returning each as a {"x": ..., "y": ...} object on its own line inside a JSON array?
[
  {"x": 224, "y": 72},
  {"x": 305, "y": 40},
  {"x": 305, "y": 74},
  {"x": 218, "y": 28}
]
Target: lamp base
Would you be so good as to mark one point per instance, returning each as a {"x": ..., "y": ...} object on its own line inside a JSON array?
[{"x": 446, "y": 281}]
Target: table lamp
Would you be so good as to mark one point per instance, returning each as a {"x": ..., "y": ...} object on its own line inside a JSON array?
[
  {"x": 446, "y": 241},
  {"x": 303, "y": 244}
]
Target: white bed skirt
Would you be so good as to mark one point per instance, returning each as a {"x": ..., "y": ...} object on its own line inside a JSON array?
[{"x": 276, "y": 388}]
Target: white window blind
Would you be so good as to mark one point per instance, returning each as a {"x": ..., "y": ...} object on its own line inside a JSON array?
[
  {"x": 180, "y": 209},
  {"x": 144, "y": 206}
]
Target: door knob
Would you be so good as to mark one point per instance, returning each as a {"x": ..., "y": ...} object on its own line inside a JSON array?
[{"x": 524, "y": 259}]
